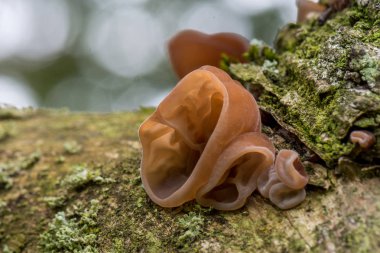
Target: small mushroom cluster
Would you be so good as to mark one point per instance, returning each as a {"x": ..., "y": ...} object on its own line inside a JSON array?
[
  {"x": 284, "y": 183},
  {"x": 204, "y": 142}
]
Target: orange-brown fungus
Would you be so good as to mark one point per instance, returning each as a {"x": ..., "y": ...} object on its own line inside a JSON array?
[
  {"x": 290, "y": 169},
  {"x": 364, "y": 138},
  {"x": 204, "y": 142},
  {"x": 189, "y": 49},
  {"x": 307, "y": 8},
  {"x": 284, "y": 183}
]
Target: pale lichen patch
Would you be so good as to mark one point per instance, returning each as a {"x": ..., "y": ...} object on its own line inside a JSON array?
[{"x": 72, "y": 234}]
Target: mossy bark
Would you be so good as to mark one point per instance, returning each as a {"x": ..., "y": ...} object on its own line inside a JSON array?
[
  {"x": 73, "y": 186},
  {"x": 69, "y": 182},
  {"x": 322, "y": 81}
]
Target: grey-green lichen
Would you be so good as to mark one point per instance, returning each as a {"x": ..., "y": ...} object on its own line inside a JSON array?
[
  {"x": 13, "y": 168},
  {"x": 82, "y": 175},
  {"x": 4, "y": 132},
  {"x": 191, "y": 225},
  {"x": 6, "y": 181},
  {"x": 72, "y": 147},
  {"x": 355, "y": 234},
  {"x": 55, "y": 201},
  {"x": 72, "y": 234}
]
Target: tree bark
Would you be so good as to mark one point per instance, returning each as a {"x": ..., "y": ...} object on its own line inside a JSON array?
[{"x": 69, "y": 182}]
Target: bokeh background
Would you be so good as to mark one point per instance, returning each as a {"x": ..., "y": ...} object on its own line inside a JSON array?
[{"x": 110, "y": 55}]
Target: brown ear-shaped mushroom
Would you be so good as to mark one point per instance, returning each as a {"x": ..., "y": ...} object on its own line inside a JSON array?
[
  {"x": 307, "y": 7},
  {"x": 235, "y": 174},
  {"x": 364, "y": 138},
  {"x": 284, "y": 183},
  {"x": 190, "y": 49},
  {"x": 184, "y": 139}
]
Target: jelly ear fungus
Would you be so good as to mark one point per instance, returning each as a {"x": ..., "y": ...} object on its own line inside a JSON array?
[
  {"x": 189, "y": 49},
  {"x": 204, "y": 142}
]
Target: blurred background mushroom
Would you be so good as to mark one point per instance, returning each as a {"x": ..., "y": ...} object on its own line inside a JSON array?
[{"x": 94, "y": 55}]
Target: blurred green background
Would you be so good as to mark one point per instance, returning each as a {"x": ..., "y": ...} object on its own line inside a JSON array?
[{"x": 110, "y": 55}]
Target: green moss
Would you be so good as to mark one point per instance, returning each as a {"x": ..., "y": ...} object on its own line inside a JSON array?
[
  {"x": 289, "y": 37},
  {"x": 297, "y": 245},
  {"x": 76, "y": 234},
  {"x": 354, "y": 233},
  {"x": 368, "y": 122},
  {"x": 323, "y": 80},
  {"x": 259, "y": 52},
  {"x": 118, "y": 245}
]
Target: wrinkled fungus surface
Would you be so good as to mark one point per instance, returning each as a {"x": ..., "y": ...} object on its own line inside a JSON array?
[
  {"x": 190, "y": 49},
  {"x": 204, "y": 142},
  {"x": 284, "y": 183}
]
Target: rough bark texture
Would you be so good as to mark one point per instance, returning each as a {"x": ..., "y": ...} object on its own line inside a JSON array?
[
  {"x": 322, "y": 81},
  {"x": 69, "y": 182}
]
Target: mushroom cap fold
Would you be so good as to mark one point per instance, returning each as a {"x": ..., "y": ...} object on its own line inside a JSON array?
[
  {"x": 235, "y": 173},
  {"x": 266, "y": 180},
  {"x": 285, "y": 197},
  {"x": 190, "y": 49},
  {"x": 364, "y": 138},
  {"x": 290, "y": 169},
  {"x": 184, "y": 139},
  {"x": 284, "y": 183}
]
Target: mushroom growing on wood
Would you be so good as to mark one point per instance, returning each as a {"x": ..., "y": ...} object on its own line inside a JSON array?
[
  {"x": 204, "y": 142},
  {"x": 363, "y": 138},
  {"x": 284, "y": 183},
  {"x": 198, "y": 145},
  {"x": 235, "y": 173},
  {"x": 290, "y": 169},
  {"x": 190, "y": 49}
]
